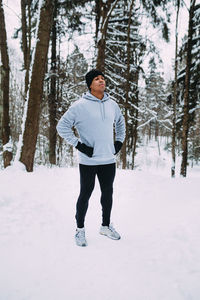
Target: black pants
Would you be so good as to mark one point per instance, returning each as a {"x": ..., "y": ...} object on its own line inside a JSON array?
[{"x": 106, "y": 175}]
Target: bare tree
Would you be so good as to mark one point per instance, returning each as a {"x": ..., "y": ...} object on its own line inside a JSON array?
[
  {"x": 186, "y": 92},
  {"x": 7, "y": 154},
  {"x": 175, "y": 94},
  {"x": 128, "y": 83},
  {"x": 52, "y": 95},
  {"x": 26, "y": 37},
  {"x": 36, "y": 84}
]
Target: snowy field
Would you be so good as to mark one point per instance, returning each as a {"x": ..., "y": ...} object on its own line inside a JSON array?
[{"x": 158, "y": 257}]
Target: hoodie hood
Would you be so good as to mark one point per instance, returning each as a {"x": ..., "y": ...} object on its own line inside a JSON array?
[{"x": 89, "y": 96}]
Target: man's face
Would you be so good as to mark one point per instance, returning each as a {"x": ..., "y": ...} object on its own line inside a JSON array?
[{"x": 98, "y": 84}]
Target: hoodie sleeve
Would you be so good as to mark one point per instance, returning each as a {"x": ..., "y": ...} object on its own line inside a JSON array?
[
  {"x": 119, "y": 125},
  {"x": 65, "y": 124}
]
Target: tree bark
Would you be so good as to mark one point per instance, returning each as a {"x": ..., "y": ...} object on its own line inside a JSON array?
[
  {"x": 36, "y": 85},
  {"x": 175, "y": 96},
  {"x": 52, "y": 95},
  {"x": 7, "y": 154},
  {"x": 135, "y": 130},
  {"x": 186, "y": 93},
  {"x": 127, "y": 85},
  {"x": 24, "y": 31},
  {"x": 98, "y": 4},
  {"x": 26, "y": 38}
]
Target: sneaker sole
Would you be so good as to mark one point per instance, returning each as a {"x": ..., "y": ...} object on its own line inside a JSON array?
[
  {"x": 112, "y": 238},
  {"x": 83, "y": 245}
]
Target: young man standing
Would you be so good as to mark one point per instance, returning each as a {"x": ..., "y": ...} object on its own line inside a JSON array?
[{"x": 94, "y": 116}]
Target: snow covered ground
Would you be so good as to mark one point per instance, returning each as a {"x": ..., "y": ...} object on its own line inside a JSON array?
[{"x": 158, "y": 257}]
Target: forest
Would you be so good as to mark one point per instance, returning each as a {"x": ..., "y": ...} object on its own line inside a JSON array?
[
  {"x": 149, "y": 52},
  {"x": 117, "y": 36}
]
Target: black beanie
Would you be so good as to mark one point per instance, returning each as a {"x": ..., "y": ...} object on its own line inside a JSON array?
[{"x": 91, "y": 75}]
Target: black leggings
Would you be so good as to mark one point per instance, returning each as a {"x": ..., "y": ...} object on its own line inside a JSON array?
[{"x": 106, "y": 175}]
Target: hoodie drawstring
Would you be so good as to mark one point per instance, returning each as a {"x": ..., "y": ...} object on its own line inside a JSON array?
[
  {"x": 102, "y": 110},
  {"x": 104, "y": 114},
  {"x": 89, "y": 96}
]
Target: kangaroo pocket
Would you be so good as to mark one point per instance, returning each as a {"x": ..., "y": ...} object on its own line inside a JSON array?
[{"x": 103, "y": 149}]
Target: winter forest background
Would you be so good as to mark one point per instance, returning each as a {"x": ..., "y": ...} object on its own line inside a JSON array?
[{"x": 149, "y": 51}]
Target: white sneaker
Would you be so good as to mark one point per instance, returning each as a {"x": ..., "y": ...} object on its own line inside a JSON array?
[
  {"x": 110, "y": 232},
  {"x": 80, "y": 237}
]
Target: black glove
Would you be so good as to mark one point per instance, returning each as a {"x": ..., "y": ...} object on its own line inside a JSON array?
[
  {"x": 118, "y": 146},
  {"x": 85, "y": 149}
]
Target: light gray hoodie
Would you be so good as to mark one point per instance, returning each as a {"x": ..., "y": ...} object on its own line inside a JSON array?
[{"x": 94, "y": 120}]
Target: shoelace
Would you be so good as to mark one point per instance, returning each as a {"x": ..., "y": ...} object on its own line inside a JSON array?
[
  {"x": 112, "y": 228},
  {"x": 81, "y": 234}
]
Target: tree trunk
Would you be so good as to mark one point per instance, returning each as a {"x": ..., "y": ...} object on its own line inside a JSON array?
[
  {"x": 105, "y": 9},
  {"x": 124, "y": 148},
  {"x": 127, "y": 86},
  {"x": 52, "y": 95},
  {"x": 175, "y": 96},
  {"x": 135, "y": 141},
  {"x": 98, "y": 4},
  {"x": 1, "y": 102},
  {"x": 26, "y": 38},
  {"x": 7, "y": 154},
  {"x": 24, "y": 31},
  {"x": 186, "y": 93},
  {"x": 36, "y": 85},
  {"x": 28, "y": 59},
  {"x": 135, "y": 125}
]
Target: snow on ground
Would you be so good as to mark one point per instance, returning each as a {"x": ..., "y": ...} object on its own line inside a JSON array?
[{"x": 158, "y": 257}]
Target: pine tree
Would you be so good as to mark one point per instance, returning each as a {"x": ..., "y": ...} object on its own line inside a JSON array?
[
  {"x": 124, "y": 52},
  {"x": 103, "y": 10},
  {"x": 155, "y": 114}
]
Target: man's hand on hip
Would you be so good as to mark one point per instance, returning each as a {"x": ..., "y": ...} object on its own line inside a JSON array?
[
  {"x": 85, "y": 149},
  {"x": 118, "y": 146}
]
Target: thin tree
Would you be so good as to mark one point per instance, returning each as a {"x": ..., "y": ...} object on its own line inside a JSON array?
[
  {"x": 186, "y": 92},
  {"x": 36, "y": 84},
  {"x": 104, "y": 8},
  {"x": 128, "y": 82},
  {"x": 26, "y": 38},
  {"x": 7, "y": 154},
  {"x": 175, "y": 94},
  {"x": 52, "y": 95}
]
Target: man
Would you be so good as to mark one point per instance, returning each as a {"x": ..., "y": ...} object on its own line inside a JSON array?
[{"x": 94, "y": 116}]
